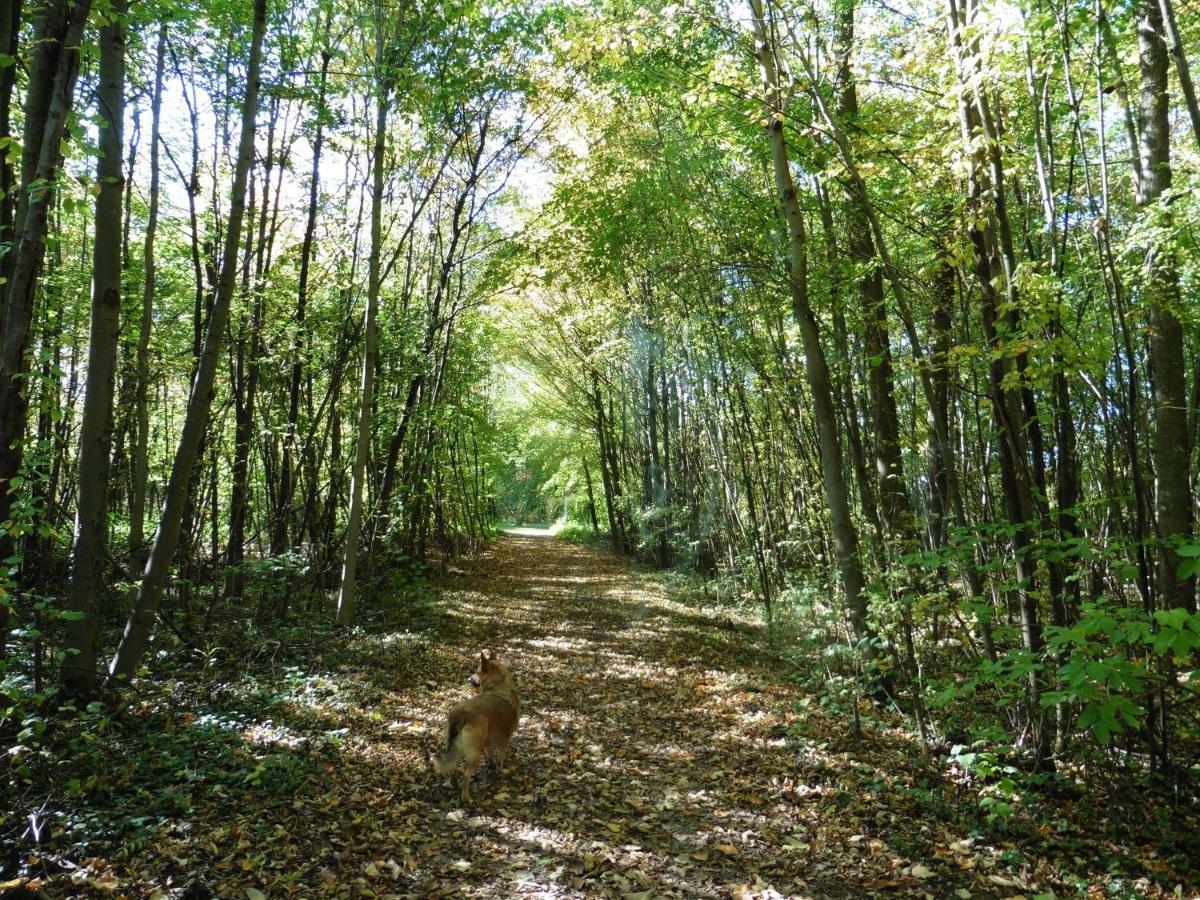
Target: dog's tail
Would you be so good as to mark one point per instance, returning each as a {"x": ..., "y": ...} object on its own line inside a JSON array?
[{"x": 447, "y": 759}]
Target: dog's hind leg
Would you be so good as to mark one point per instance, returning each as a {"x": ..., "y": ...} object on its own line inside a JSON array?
[
  {"x": 472, "y": 755},
  {"x": 467, "y": 773}
]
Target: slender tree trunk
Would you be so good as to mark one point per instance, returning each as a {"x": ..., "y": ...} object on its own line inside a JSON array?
[
  {"x": 894, "y": 509},
  {"x": 591, "y": 496},
  {"x": 166, "y": 538},
  {"x": 79, "y": 668},
  {"x": 10, "y": 35},
  {"x": 461, "y": 220},
  {"x": 845, "y": 535},
  {"x": 10, "y": 32},
  {"x": 346, "y": 593},
  {"x": 49, "y": 97},
  {"x": 1178, "y": 52},
  {"x": 845, "y": 391},
  {"x": 994, "y": 262},
  {"x": 944, "y": 479},
  {"x": 141, "y": 448},
  {"x": 249, "y": 367},
  {"x": 608, "y": 475},
  {"x": 51, "y": 424},
  {"x": 287, "y": 478},
  {"x": 1171, "y": 446}
]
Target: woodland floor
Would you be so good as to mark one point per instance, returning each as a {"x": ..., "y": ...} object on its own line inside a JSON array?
[{"x": 662, "y": 753}]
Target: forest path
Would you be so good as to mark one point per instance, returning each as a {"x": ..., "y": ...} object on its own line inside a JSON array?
[
  {"x": 647, "y": 760},
  {"x": 653, "y": 757},
  {"x": 663, "y": 752}
]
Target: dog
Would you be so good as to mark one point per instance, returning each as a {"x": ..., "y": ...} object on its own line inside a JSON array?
[{"x": 483, "y": 724}]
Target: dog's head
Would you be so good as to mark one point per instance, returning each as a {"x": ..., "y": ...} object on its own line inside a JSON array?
[{"x": 489, "y": 674}]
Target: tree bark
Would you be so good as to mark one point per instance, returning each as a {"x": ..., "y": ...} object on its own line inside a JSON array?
[
  {"x": 248, "y": 372},
  {"x": 287, "y": 478},
  {"x": 48, "y": 101},
  {"x": 1179, "y": 54},
  {"x": 889, "y": 471},
  {"x": 591, "y": 496},
  {"x": 10, "y": 35},
  {"x": 1171, "y": 444},
  {"x": 994, "y": 262}
]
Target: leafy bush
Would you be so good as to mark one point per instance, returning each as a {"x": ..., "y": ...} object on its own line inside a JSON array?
[
  {"x": 1109, "y": 658},
  {"x": 580, "y": 533}
]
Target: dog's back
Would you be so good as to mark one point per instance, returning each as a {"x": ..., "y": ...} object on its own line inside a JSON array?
[{"x": 492, "y": 716}]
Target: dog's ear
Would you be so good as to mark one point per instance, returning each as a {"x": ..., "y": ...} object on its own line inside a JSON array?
[
  {"x": 491, "y": 655},
  {"x": 483, "y": 660}
]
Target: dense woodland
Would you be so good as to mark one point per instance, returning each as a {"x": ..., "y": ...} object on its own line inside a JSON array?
[{"x": 876, "y": 320}]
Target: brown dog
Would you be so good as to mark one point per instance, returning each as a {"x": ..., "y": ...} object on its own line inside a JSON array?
[{"x": 484, "y": 723}]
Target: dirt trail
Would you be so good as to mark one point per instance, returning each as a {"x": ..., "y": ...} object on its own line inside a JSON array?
[
  {"x": 651, "y": 760},
  {"x": 662, "y": 753},
  {"x": 643, "y": 762}
]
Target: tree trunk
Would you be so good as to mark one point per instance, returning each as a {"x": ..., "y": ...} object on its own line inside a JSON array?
[
  {"x": 10, "y": 39},
  {"x": 79, "y": 668},
  {"x": 1179, "y": 54},
  {"x": 591, "y": 496},
  {"x": 845, "y": 535},
  {"x": 994, "y": 263},
  {"x": 1171, "y": 446},
  {"x": 346, "y": 592},
  {"x": 287, "y": 478},
  {"x": 48, "y": 102},
  {"x": 248, "y": 375},
  {"x": 889, "y": 472},
  {"x": 141, "y": 448}
]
